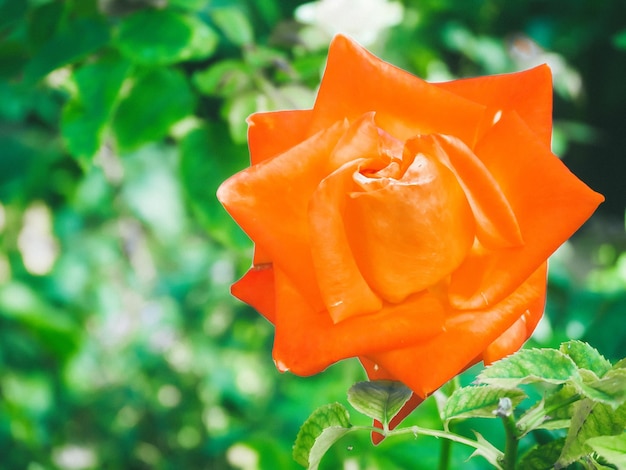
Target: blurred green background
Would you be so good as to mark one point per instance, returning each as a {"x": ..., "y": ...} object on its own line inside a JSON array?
[{"x": 120, "y": 347}]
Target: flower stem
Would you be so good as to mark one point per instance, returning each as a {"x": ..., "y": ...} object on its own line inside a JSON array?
[
  {"x": 505, "y": 412},
  {"x": 445, "y": 451},
  {"x": 493, "y": 455},
  {"x": 444, "y": 454}
]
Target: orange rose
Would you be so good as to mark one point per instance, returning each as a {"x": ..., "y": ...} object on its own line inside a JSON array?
[{"x": 402, "y": 222}]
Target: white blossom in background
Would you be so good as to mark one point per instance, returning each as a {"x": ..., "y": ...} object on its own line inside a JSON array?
[
  {"x": 362, "y": 20},
  {"x": 242, "y": 457},
  {"x": 37, "y": 245},
  {"x": 74, "y": 457}
]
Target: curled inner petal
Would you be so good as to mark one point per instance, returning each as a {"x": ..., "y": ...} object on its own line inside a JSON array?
[
  {"x": 496, "y": 224},
  {"x": 410, "y": 231},
  {"x": 344, "y": 290}
]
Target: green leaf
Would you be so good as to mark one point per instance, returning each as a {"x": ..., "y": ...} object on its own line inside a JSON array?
[
  {"x": 12, "y": 12},
  {"x": 157, "y": 101},
  {"x": 52, "y": 328},
  {"x": 225, "y": 78},
  {"x": 555, "y": 401},
  {"x": 86, "y": 115},
  {"x": 234, "y": 24},
  {"x": 204, "y": 40},
  {"x": 593, "y": 464},
  {"x": 610, "y": 389},
  {"x": 586, "y": 357},
  {"x": 619, "y": 40},
  {"x": 621, "y": 364},
  {"x": 554, "y": 424},
  {"x": 528, "y": 366},
  {"x": 478, "y": 401},
  {"x": 319, "y": 432},
  {"x": 43, "y": 22},
  {"x": 208, "y": 157},
  {"x": 28, "y": 391},
  {"x": 15, "y": 101},
  {"x": 487, "y": 450},
  {"x": 237, "y": 109},
  {"x": 611, "y": 448},
  {"x": 160, "y": 37},
  {"x": 81, "y": 38},
  {"x": 590, "y": 420},
  {"x": 379, "y": 399},
  {"x": 552, "y": 412},
  {"x": 542, "y": 457},
  {"x": 13, "y": 58},
  {"x": 260, "y": 57},
  {"x": 192, "y": 5}
]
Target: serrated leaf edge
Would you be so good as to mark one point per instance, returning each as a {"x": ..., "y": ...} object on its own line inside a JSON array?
[{"x": 322, "y": 410}]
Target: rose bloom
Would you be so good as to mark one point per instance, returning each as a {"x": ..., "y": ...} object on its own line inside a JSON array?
[{"x": 402, "y": 222}]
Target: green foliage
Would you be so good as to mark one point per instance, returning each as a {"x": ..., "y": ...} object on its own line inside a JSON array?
[
  {"x": 210, "y": 142},
  {"x": 591, "y": 418},
  {"x": 87, "y": 115},
  {"x": 620, "y": 40},
  {"x": 611, "y": 448},
  {"x": 586, "y": 357},
  {"x": 531, "y": 365},
  {"x": 610, "y": 389},
  {"x": 380, "y": 400},
  {"x": 157, "y": 100},
  {"x": 67, "y": 45},
  {"x": 478, "y": 402},
  {"x": 320, "y": 431},
  {"x": 542, "y": 456},
  {"x": 234, "y": 24},
  {"x": 161, "y": 37},
  {"x": 225, "y": 78}
]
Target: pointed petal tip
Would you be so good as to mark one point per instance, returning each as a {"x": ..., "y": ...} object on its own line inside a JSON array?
[
  {"x": 228, "y": 192},
  {"x": 377, "y": 437},
  {"x": 280, "y": 365},
  {"x": 222, "y": 192}
]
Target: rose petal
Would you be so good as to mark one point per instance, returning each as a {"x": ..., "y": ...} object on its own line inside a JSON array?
[
  {"x": 362, "y": 139},
  {"x": 427, "y": 365},
  {"x": 408, "y": 234},
  {"x": 513, "y": 338},
  {"x": 344, "y": 290},
  {"x": 270, "y": 134},
  {"x": 550, "y": 204},
  {"x": 496, "y": 224},
  {"x": 529, "y": 93},
  {"x": 269, "y": 201},
  {"x": 256, "y": 288},
  {"x": 307, "y": 341},
  {"x": 356, "y": 82}
]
